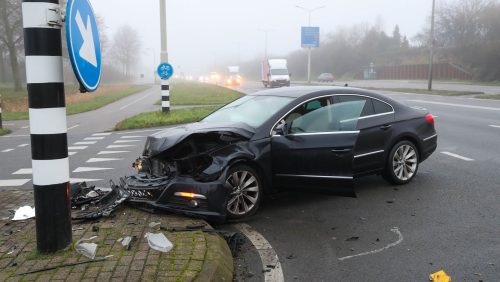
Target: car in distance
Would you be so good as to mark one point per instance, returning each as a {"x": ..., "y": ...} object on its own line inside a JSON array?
[
  {"x": 325, "y": 77},
  {"x": 233, "y": 80},
  {"x": 221, "y": 166}
]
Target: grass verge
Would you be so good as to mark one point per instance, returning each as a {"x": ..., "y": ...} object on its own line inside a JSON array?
[
  {"x": 197, "y": 93},
  {"x": 489, "y": 96},
  {"x": 423, "y": 91},
  {"x": 15, "y": 104},
  {"x": 4, "y": 131},
  {"x": 157, "y": 118}
]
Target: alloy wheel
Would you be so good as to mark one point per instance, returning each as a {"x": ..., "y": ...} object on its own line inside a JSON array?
[
  {"x": 245, "y": 192},
  {"x": 404, "y": 162}
]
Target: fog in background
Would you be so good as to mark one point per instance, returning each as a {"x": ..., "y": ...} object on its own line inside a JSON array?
[{"x": 202, "y": 34}]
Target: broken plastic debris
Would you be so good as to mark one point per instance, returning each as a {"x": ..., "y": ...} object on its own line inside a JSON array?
[
  {"x": 23, "y": 213},
  {"x": 12, "y": 250},
  {"x": 158, "y": 241},
  {"x": 154, "y": 224},
  {"x": 127, "y": 242},
  {"x": 87, "y": 249},
  {"x": 92, "y": 194},
  {"x": 439, "y": 276}
]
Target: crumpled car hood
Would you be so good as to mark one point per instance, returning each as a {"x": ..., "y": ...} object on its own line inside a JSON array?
[{"x": 166, "y": 139}]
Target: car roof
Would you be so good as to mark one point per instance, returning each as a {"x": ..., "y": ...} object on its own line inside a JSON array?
[{"x": 299, "y": 91}]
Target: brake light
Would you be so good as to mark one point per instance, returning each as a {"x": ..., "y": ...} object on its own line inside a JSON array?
[{"x": 430, "y": 119}]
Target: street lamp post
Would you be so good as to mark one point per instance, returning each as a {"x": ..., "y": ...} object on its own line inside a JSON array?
[
  {"x": 431, "y": 52},
  {"x": 266, "y": 31},
  {"x": 165, "y": 87},
  {"x": 309, "y": 11}
]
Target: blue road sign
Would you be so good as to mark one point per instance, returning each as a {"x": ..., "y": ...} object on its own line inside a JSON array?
[
  {"x": 84, "y": 46},
  {"x": 165, "y": 70},
  {"x": 310, "y": 37}
]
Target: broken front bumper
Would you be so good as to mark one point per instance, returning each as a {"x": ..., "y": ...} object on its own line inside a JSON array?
[{"x": 182, "y": 195}]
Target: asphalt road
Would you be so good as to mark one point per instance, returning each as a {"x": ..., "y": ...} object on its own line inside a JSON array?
[{"x": 447, "y": 218}]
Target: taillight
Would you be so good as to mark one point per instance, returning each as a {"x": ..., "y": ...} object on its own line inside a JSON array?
[{"x": 430, "y": 119}]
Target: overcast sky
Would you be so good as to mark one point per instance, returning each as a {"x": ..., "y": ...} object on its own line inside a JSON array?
[{"x": 201, "y": 32}]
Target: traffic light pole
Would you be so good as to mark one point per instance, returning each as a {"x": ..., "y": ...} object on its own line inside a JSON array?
[{"x": 48, "y": 128}]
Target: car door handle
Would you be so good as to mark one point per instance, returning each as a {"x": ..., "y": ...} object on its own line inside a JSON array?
[
  {"x": 341, "y": 150},
  {"x": 385, "y": 127}
]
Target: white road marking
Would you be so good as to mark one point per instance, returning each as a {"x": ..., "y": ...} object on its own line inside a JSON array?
[
  {"x": 24, "y": 171},
  {"x": 494, "y": 126},
  {"x": 85, "y": 143},
  {"x": 72, "y": 153},
  {"x": 132, "y": 136},
  {"x": 13, "y": 182},
  {"x": 22, "y": 145},
  {"x": 112, "y": 152},
  {"x": 7, "y": 150},
  {"x": 400, "y": 239},
  {"x": 126, "y": 141},
  {"x": 457, "y": 105},
  {"x": 119, "y": 146},
  {"x": 86, "y": 169},
  {"x": 75, "y": 180},
  {"x": 140, "y": 131},
  {"x": 458, "y": 156},
  {"x": 93, "y": 138},
  {"x": 102, "y": 134},
  {"x": 136, "y": 100},
  {"x": 24, "y": 127},
  {"x": 266, "y": 252},
  {"x": 74, "y": 126},
  {"x": 77, "y": 147},
  {"x": 95, "y": 160},
  {"x": 9, "y": 136}
]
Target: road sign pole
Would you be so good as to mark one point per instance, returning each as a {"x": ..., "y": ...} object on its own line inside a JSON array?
[
  {"x": 309, "y": 66},
  {"x": 48, "y": 128},
  {"x": 165, "y": 95}
]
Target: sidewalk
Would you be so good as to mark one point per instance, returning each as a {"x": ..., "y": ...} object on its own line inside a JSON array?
[{"x": 196, "y": 256}]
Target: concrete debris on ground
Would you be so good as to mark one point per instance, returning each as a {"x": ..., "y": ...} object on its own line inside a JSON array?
[{"x": 87, "y": 249}]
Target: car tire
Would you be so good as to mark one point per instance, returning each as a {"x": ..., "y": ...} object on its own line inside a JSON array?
[
  {"x": 246, "y": 193},
  {"x": 402, "y": 163}
]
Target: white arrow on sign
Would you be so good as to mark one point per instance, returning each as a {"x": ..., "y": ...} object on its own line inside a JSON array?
[{"x": 87, "y": 51}]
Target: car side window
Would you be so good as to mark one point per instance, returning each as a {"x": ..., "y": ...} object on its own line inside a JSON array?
[
  {"x": 381, "y": 107},
  {"x": 342, "y": 116},
  {"x": 368, "y": 109}
]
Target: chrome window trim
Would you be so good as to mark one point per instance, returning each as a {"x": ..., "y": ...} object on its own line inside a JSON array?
[
  {"x": 430, "y": 137},
  {"x": 368, "y": 154},
  {"x": 316, "y": 176},
  {"x": 332, "y": 95},
  {"x": 322, "y": 133}
]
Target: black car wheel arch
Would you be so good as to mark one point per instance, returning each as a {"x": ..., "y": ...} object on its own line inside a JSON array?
[
  {"x": 404, "y": 158},
  {"x": 246, "y": 191}
]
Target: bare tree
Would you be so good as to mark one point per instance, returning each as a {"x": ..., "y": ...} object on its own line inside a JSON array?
[
  {"x": 126, "y": 48},
  {"x": 11, "y": 35}
]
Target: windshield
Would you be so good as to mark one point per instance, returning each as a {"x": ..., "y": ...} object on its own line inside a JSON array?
[
  {"x": 279, "y": 72},
  {"x": 252, "y": 110}
]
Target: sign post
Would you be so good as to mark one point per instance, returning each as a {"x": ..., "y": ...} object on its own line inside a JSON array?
[
  {"x": 48, "y": 129},
  {"x": 309, "y": 39},
  {"x": 165, "y": 71}
]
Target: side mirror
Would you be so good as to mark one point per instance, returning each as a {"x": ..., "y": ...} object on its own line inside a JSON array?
[{"x": 282, "y": 129}]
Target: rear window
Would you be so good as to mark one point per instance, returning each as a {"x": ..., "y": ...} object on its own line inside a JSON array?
[{"x": 381, "y": 107}]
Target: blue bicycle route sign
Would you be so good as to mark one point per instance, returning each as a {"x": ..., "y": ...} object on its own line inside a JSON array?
[
  {"x": 84, "y": 46},
  {"x": 165, "y": 70}
]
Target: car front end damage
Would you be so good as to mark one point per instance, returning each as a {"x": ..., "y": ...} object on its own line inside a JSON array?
[{"x": 184, "y": 171}]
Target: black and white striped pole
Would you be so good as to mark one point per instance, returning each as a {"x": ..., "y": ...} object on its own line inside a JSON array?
[
  {"x": 48, "y": 128},
  {"x": 165, "y": 95}
]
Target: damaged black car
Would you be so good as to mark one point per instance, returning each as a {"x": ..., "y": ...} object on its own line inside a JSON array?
[{"x": 221, "y": 166}]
